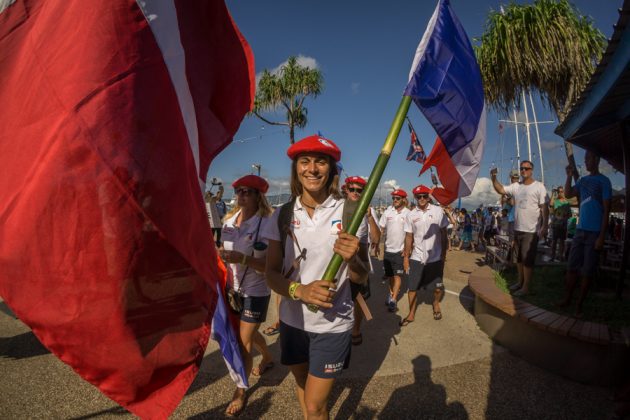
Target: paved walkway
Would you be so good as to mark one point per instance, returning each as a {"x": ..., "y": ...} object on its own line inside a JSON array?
[{"x": 428, "y": 369}]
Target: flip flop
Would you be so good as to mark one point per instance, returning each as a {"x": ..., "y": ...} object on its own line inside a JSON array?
[
  {"x": 271, "y": 330},
  {"x": 404, "y": 322},
  {"x": 239, "y": 404},
  {"x": 357, "y": 340},
  {"x": 437, "y": 315},
  {"x": 262, "y": 368}
]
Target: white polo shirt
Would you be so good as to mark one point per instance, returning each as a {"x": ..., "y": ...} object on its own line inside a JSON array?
[
  {"x": 393, "y": 221},
  {"x": 241, "y": 238},
  {"x": 317, "y": 235},
  {"x": 527, "y": 202},
  {"x": 425, "y": 226}
]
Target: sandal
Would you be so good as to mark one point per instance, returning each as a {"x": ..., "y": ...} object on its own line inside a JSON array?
[
  {"x": 237, "y": 404},
  {"x": 271, "y": 330},
  {"x": 437, "y": 315},
  {"x": 404, "y": 322},
  {"x": 262, "y": 368},
  {"x": 357, "y": 340}
]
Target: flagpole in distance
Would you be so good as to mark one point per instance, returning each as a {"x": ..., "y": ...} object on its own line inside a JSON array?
[{"x": 370, "y": 188}]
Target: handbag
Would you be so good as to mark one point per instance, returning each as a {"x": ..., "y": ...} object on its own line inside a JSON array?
[{"x": 235, "y": 297}]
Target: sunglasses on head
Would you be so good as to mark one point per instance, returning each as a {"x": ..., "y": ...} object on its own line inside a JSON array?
[
  {"x": 525, "y": 168},
  {"x": 244, "y": 191},
  {"x": 355, "y": 190},
  {"x": 421, "y": 196}
]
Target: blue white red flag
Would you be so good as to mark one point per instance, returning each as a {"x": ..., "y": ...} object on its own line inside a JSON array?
[
  {"x": 224, "y": 326},
  {"x": 445, "y": 83},
  {"x": 416, "y": 151},
  {"x": 111, "y": 114}
]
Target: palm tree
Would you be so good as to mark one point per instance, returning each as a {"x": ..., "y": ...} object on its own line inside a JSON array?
[
  {"x": 545, "y": 46},
  {"x": 287, "y": 90}
]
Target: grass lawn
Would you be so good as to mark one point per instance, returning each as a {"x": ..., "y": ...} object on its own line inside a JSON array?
[{"x": 548, "y": 288}]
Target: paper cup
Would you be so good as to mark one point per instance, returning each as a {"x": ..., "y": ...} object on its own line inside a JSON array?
[{"x": 260, "y": 249}]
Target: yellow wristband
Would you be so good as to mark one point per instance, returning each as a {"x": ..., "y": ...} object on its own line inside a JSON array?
[{"x": 293, "y": 286}]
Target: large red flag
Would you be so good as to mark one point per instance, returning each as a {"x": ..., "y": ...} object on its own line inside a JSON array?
[{"x": 111, "y": 112}]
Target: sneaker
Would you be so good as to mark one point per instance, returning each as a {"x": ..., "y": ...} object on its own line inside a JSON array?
[
  {"x": 392, "y": 306},
  {"x": 389, "y": 300}
]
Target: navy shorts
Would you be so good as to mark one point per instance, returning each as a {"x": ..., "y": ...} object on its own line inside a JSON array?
[
  {"x": 255, "y": 309},
  {"x": 393, "y": 264},
  {"x": 583, "y": 257},
  {"x": 327, "y": 354},
  {"x": 428, "y": 276}
]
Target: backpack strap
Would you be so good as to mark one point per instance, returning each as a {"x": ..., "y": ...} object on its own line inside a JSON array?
[{"x": 284, "y": 221}]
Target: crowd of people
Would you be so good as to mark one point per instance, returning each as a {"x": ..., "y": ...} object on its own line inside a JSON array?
[{"x": 287, "y": 250}]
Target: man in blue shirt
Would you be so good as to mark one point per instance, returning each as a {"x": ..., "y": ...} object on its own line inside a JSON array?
[{"x": 594, "y": 191}]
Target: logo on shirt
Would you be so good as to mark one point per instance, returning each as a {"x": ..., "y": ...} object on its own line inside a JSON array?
[{"x": 335, "y": 227}]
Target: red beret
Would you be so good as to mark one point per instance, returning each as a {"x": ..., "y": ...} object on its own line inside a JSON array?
[
  {"x": 399, "y": 193},
  {"x": 315, "y": 144},
  {"x": 356, "y": 180},
  {"x": 252, "y": 181},
  {"x": 421, "y": 189}
]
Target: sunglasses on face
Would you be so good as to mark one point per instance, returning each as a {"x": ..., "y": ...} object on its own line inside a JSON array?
[
  {"x": 421, "y": 196},
  {"x": 525, "y": 168},
  {"x": 396, "y": 198},
  {"x": 355, "y": 190},
  {"x": 244, "y": 191}
]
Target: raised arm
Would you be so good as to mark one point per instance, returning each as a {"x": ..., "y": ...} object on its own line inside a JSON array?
[
  {"x": 498, "y": 187},
  {"x": 569, "y": 191}
]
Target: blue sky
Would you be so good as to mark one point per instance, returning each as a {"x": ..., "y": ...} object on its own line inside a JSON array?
[{"x": 365, "y": 50}]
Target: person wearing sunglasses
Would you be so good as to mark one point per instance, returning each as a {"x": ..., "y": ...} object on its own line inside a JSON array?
[
  {"x": 425, "y": 251},
  {"x": 315, "y": 345},
  {"x": 243, "y": 248},
  {"x": 530, "y": 203},
  {"x": 392, "y": 222},
  {"x": 352, "y": 190}
]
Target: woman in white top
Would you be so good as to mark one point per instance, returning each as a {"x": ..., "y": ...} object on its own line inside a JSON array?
[
  {"x": 242, "y": 234},
  {"x": 315, "y": 345}
]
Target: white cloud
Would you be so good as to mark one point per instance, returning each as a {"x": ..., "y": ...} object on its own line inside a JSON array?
[
  {"x": 548, "y": 145},
  {"x": 355, "y": 88},
  {"x": 302, "y": 60},
  {"x": 278, "y": 184},
  {"x": 390, "y": 184},
  {"x": 482, "y": 193}
]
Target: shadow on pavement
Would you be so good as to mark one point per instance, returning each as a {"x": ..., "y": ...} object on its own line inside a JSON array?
[
  {"x": 252, "y": 410},
  {"x": 378, "y": 336},
  {"x": 423, "y": 399},
  {"x": 21, "y": 346}
]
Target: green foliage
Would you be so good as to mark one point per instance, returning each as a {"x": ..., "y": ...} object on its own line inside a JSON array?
[
  {"x": 545, "y": 46},
  {"x": 287, "y": 90}
]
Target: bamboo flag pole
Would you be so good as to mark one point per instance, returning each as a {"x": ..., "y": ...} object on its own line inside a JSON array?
[{"x": 370, "y": 188}]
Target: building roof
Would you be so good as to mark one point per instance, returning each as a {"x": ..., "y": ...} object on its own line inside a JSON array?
[{"x": 594, "y": 121}]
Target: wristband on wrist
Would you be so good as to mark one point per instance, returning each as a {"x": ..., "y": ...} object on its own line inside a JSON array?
[
  {"x": 293, "y": 286},
  {"x": 244, "y": 260}
]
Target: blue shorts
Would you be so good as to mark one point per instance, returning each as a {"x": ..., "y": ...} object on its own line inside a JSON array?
[
  {"x": 428, "y": 276},
  {"x": 255, "y": 309},
  {"x": 327, "y": 354},
  {"x": 583, "y": 257},
  {"x": 393, "y": 264}
]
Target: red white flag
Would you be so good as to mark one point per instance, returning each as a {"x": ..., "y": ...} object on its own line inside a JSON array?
[{"x": 111, "y": 114}]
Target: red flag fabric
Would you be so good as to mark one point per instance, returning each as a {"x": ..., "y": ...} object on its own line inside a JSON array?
[
  {"x": 447, "y": 173},
  {"x": 111, "y": 113}
]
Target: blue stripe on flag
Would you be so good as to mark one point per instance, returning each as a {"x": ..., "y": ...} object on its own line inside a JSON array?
[{"x": 446, "y": 84}]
